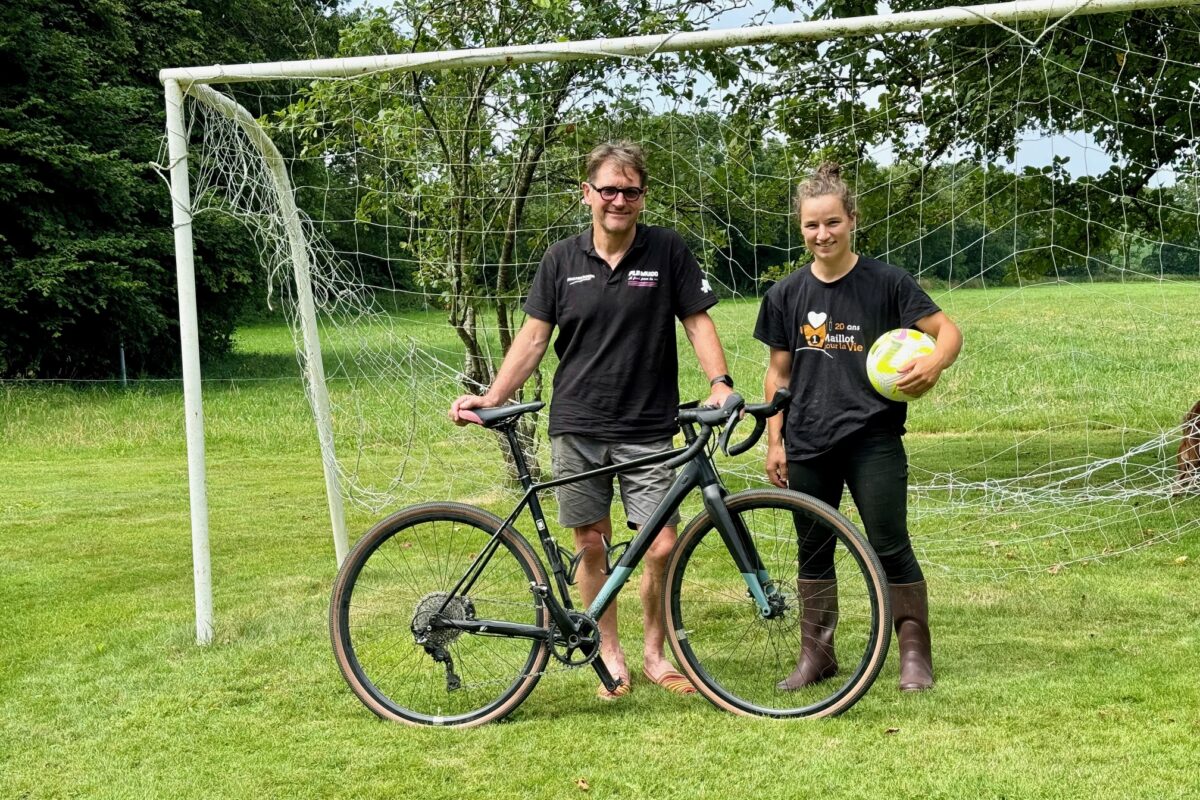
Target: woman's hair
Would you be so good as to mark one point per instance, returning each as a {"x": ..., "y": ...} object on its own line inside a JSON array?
[
  {"x": 624, "y": 154},
  {"x": 826, "y": 180}
]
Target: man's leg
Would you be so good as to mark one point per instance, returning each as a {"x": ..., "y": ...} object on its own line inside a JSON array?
[
  {"x": 592, "y": 540},
  {"x": 584, "y": 507},
  {"x": 641, "y": 492},
  {"x": 654, "y": 661}
]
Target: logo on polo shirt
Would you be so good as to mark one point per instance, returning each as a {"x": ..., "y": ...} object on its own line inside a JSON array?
[
  {"x": 704, "y": 285},
  {"x": 579, "y": 279},
  {"x": 646, "y": 278}
]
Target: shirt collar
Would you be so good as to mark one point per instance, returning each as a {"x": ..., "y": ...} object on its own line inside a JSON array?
[{"x": 587, "y": 243}]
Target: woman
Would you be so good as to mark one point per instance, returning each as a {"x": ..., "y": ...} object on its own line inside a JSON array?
[{"x": 819, "y": 323}]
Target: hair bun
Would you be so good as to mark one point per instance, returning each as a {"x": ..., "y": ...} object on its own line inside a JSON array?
[
  {"x": 827, "y": 180},
  {"x": 830, "y": 169}
]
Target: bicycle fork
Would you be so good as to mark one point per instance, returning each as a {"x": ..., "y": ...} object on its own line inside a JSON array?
[{"x": 737, "y": 539}]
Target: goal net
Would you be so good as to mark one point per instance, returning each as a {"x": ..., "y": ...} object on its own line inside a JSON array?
[{"x": 1037, "y": 173}]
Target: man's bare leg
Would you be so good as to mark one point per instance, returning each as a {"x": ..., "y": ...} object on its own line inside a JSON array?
[
  {"x": 590, "y": 577},
  {"x": 654, "y": 661}
]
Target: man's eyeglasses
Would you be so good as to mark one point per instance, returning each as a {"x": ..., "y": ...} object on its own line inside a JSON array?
[{"x": 631, "y": 193}]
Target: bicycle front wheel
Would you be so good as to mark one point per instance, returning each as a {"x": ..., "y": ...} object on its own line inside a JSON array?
[
  {"x": 737, "y": 658},
  {"x": 392, "y": 588}
]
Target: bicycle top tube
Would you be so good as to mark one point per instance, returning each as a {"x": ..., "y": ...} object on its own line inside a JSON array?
[{"x": 728, "y": 415}]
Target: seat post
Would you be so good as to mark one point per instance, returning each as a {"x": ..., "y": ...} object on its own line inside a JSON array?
[{"x": 514, "y": 444}]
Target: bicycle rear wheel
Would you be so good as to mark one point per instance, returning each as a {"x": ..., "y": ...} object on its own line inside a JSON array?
[
  {"x": 392, "y": 584},
  {"x": 734, "y": 656}
]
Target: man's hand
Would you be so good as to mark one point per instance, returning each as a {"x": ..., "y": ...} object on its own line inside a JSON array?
[
  {"x": 719, "y": 393},
  {"x": 522, "y": 359},
  {"x": 469, "y": 401},
  {"x": 777, "y": 472}
]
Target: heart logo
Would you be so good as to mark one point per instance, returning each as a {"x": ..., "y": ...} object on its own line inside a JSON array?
[{"x": 817, "y": 320}]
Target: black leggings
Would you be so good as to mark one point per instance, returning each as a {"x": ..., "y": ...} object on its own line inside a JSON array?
[{"x": 873, "y": 464}]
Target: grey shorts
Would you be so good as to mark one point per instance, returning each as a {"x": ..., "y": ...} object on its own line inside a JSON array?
[{"x": 589, "y": 501}]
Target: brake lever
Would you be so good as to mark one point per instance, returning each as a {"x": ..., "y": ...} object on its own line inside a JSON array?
[
  {"x": 761, "y": 413},
  {"x": 731, "y": 422}
]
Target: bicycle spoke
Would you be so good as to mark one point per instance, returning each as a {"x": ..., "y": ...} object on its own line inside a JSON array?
[
  {"x": 739, "y": 656},
  {"x": 384, "y": 619}
]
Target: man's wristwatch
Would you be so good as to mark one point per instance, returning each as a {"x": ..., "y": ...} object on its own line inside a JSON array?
[{"x": 725, "y": 379}]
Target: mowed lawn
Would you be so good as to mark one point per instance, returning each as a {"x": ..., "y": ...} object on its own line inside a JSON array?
[{"x": 1067, "y": 654}]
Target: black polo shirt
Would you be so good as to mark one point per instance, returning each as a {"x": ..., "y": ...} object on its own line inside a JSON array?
[
  {"x": 828, "y": 328},
  {"x": 618, "y": 372}
]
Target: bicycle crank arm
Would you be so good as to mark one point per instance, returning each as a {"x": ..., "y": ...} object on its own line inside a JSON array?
[{"x": 606, "y": 677}]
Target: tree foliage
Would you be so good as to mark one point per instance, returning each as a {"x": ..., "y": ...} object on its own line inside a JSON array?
[
  {"x": 86, "y": 248},
  {"x": 490, "y": 129},
  {"x": 86, "y": 253},
  {"x": 939, "y": 98}
]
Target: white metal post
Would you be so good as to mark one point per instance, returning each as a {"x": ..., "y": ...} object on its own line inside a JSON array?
[{"x": 189, "y": 342}]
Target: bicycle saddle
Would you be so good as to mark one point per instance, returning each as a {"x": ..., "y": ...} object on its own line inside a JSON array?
[{"x": 494, "y": 417}]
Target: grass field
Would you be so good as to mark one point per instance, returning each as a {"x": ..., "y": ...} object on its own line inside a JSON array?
[{"x": 1074, "y": 682}]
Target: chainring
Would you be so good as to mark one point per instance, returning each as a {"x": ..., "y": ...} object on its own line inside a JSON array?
[{"x": 576, "y": 649}]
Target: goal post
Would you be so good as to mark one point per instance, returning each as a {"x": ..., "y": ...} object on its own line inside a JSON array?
[
  {"x": 430, "y": 232},
  {"x": 189, "y": 341}
]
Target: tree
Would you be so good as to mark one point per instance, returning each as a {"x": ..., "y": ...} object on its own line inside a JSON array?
[
  {"x": 456, "y": 153},
  {"x": 86, "y": 249},
  {"x": 933, "y": 97}
]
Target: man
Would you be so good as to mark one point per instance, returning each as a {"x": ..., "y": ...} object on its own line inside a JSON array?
[{"x": 614, "y": 291}]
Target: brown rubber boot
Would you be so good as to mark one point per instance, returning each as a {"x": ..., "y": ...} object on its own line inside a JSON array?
[
  {"x": 817, "y": 621},
  {"x": 910, "y": 613}
]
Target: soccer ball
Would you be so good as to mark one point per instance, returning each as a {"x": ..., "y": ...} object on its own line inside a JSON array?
[{"x": 891, "y": 352}]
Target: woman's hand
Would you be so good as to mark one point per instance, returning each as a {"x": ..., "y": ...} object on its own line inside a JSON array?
[{"x": 777, "y": 472}]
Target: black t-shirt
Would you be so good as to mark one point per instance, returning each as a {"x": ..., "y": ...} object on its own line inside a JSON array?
[
  {"x": 618, "y": 372},
  {"x": 828, "y": 328}
]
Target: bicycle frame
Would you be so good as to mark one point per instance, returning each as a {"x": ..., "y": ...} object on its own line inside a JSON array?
[{"x": 697, "y": 472}]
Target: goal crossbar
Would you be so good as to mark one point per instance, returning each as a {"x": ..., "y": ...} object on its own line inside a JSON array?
[{"x": 650, "y": 45}]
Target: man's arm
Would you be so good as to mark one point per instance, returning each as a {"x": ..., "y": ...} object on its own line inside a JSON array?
[
  {"x": 523, "y": 357},
  {"x": 779, "y": 373},
  {"x": 702, "y": 333},
  {"x": 923, "y": 372}
]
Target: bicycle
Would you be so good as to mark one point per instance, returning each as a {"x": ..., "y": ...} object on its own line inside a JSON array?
[{"x": 443, "y": 614}]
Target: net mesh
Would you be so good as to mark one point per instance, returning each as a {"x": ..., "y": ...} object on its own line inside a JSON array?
[{"x": 1041, "y": 180}]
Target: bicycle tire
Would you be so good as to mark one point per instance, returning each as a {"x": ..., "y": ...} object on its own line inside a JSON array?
[
  {"x": 733, "y": 655},
  {"x": 400, "y": 572}
]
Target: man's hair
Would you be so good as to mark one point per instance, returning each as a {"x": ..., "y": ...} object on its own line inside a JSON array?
[
  {"x": 826, "y": 180},
  {"x": 624, "y": 154}
]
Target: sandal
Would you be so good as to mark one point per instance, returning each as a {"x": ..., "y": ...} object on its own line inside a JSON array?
[
  {"x": 673, "y": 682},
  {"x": 622, "y": 689}
]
